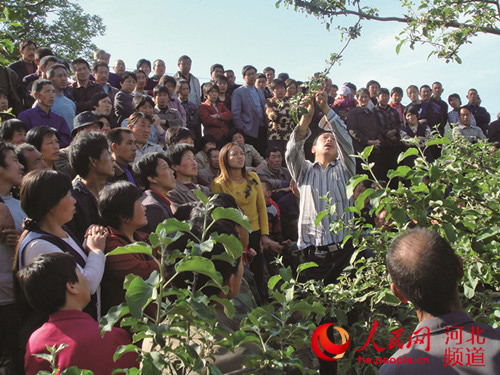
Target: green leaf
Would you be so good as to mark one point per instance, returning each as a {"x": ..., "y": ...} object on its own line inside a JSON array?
[
  {"x": 367, "y": 152},
  {"x": 200, "y": 196},
  {"x": 400, "y": 215},
  {"x": 114, "y": 314},
  {"x": 135, "y": 248},
  {"x": 438, "y": 141},
  {"x": 360, "y": 201},
  {"x": 139, "y": 294},
  {"x": 320, "y": 217},
  {"x": 154, "y": 240},
  {"x": 401, "y": 171},
  {"x": 273, "y": 281},
  {"x": 410, "y": 152},
  {"x": 122, "y": 349},
  {"x": 353, "y": 182},
  {"x": 449, "y": 232},
  {"x": 172, "y": 225},
  {"x": 199, "y": 265},
  {"x": 489, "y": 233},
  {"x": 73, "y": 370},
  {"x": 227, "y": 304},
  {"x": 231, "y": 243},
  {"x": 305, "y": 266},
  {"x": 213, "y": 370},
  {"x": 391, "y": 299},
  {"x": 232, "y": 214}
]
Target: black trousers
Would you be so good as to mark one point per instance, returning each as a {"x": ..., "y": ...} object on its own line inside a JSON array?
[
  {"x": 330, "y": 264},
  {"x": 260, "y": 143}
]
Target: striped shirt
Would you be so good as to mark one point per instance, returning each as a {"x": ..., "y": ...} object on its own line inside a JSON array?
[{"x": 314, "y": 182}]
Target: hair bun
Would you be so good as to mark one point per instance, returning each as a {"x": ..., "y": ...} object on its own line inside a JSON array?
[{"x": 29, "y": 224}]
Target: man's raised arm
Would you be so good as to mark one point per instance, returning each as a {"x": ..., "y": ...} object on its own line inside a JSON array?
[{"x": 332, "y": 122}]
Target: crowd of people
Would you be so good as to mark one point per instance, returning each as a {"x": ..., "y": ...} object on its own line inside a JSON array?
[{"x": 96, "y": 163}]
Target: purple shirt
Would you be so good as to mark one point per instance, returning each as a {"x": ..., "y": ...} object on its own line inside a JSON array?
[{"x": 38, "y": 117}]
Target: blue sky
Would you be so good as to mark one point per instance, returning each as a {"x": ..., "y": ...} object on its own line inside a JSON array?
[{"x": 236, "y": 33}]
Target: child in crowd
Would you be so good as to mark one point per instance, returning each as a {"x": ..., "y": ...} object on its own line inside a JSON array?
[
  {"x": 343, "y": 103},
  {"x": 170, "y": 83}
]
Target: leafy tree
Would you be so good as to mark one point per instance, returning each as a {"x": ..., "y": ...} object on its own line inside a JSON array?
[
  {"x": 444, "y": 24},
  {"x": 61, "y": 25}
]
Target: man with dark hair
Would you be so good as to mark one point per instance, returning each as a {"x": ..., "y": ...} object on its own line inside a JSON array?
[
  {"x": 123, "y": 149},
  {"x": 248, "y": 108},
  {"x": 273, "y": 172},
  {"x": 480, "y": 113},
  {"x": 168, "y": 116},
  {"x": 388, "y": 119},
  {"x": 43, "y": 62},
  {"x": 100, "y": 71},
  {"x": 113, "y": 79},
  {"x": 123, "y": 99},
  {"x": 63, "y": 106},
  {"x": 90, "y": 159},
  {"x": 26, "y": 65},
  {"x": 13, "y": 131},
  {"x": 437, "y": 91},
  {"x": 178, "y": 135},
  {"x": 182, "y": 160},
  {"x": 83, "y": 88},
  {"x": 12, "y": 87},
  {"x": 425, "y": 270},
  {"x": 42, "y": 115},
  {"x": 184, "y": 64},
  {"x": 373, "y": 88},
  {"x": 466, "y": 129},
  {"x": 156, "y": 178},
  {"x": 231, "y": 81},
  {"x": 327, "y": 176},
  {"x": 159, "y": 68},
  {"x": 140, "y": 125},
  {"x": 10, "y": 176},
  {"x": 142, "y": 80},
  {"x": 454, "y": 116},
  {"x": 428, "y": 113},
  {"x": 213, "y": 169},
  {"x": 54, "y": 284},
  {"x": 30, "y": 158}
]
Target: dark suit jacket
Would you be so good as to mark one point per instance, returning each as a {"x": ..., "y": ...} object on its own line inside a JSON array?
[
  {"x": 245, "y": 112},
  {"x": 157, "y": 209},
  {"x": 20, "y": 69}
]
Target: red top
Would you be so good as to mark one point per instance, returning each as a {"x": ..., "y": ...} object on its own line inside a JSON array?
[
  {"x": 86, "y": 348},
  {"x": 211, "y": 125},
  {"x": 119, "y": 266}
]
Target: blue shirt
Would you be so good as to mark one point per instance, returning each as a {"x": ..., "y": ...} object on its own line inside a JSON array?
[
  {"x": 256, "y": 98},
  {"x": 38, "y": 117},
  {"x": 66, "y": 108}
]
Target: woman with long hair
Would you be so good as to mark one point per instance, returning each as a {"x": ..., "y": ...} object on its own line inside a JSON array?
[{"x": 246, "y": 189}]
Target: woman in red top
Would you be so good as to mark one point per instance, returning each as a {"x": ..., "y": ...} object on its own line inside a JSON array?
[
  {"x": 214, "y": 116},
  {"x": 121, "y": 210}
]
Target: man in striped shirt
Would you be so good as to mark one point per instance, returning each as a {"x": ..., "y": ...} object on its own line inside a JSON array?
[{"x": 326, "y": 177}]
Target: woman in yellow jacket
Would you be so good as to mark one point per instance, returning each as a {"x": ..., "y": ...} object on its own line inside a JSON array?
[{"x": 246, "y": 189}]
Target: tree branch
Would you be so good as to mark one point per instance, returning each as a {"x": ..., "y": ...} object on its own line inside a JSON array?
[
  {"x": 37, "y": 4},
  {"x": 405, "y": 19}
]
